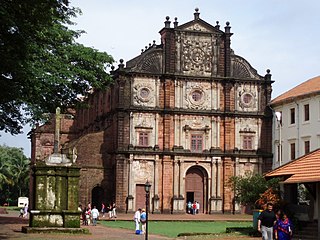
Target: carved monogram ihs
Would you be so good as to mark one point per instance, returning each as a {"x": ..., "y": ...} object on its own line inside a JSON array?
[{"x": 197, "y": 56}]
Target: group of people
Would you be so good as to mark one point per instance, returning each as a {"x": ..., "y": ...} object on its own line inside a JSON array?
[
  {"x": 272, "y": 225},
  {"x": 140, "y": 217},
  {"x": 193, "y": 208},
  {"x": 110, "y": 210},
  {"x": 91, "y": 215}
]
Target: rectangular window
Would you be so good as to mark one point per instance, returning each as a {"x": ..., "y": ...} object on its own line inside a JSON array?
[
  {"x": 247, "y": 143},
  {"x": 306, "y": 112},
  {"x": 292, "y": 116},
  {"x": 143, "y": 139},
  {"x": 306, "y": 147},
  {"x": 293, "y": 151},
  {"x": 196, "y": 143}
]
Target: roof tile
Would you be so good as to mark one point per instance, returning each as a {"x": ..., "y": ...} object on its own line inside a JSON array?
[
  {"x": 303, "y": 169},
  {"x": 306, "y": 88}
]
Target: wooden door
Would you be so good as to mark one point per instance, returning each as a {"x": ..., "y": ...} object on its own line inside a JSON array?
[
  {"x": 140, "y": 197},
  {"x": 195, "y": 185}
]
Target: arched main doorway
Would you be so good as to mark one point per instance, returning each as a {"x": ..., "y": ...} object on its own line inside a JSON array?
[
  {"x": 196, "y": 187},
  {"x": 97, "y": 197}
]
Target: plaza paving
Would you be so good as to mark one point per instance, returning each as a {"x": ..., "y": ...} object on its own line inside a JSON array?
[{"x": 11, "y": 227}]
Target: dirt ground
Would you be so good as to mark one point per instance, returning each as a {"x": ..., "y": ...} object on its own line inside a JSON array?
[{"x": 11, "y": 226}]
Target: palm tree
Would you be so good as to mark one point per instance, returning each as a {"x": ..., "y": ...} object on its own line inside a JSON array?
[{"x": 14, "y": 173}]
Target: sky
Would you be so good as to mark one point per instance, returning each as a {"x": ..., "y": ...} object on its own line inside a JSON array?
[{"x": 280, "y": 35}]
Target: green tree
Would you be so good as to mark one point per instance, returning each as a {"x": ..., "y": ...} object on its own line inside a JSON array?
[
  {"x": 248, "y": 188},
  {"x": 14, "y": 174},
  {"x": 41, "y": 65}
]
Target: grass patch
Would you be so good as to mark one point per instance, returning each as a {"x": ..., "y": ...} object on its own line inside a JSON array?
[{"x": 174, "y": 228}]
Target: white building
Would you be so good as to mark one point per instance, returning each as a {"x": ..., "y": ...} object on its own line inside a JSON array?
[{"x": 296, "y": 122}]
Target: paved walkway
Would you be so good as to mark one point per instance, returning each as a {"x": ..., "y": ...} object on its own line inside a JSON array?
[{"x": 11, "y": 227}]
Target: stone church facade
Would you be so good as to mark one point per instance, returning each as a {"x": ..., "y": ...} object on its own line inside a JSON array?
[{"x": 186, "y": 115}]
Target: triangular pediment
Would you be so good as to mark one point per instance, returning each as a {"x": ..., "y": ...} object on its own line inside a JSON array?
[{"x": 200, "y": 26}]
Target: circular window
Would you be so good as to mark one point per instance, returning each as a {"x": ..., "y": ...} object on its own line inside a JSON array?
[
  {"x": 196, "y": 95},
  {"x": 144, "y": 93},
  {"x": 247, "y": 98}
]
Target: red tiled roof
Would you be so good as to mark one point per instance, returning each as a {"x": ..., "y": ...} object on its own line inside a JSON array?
[
  {"x": 306, "y": 88},
  {"x": 303, "y": 169}
]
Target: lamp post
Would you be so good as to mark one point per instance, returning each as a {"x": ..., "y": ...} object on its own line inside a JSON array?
[
  {"x": 278, "y": 116},
  {"x": 147, "y": 187}
]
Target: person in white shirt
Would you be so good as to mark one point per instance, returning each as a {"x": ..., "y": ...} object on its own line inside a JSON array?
[
  {"x": 94, "y": 215},
  {"x": 137, "y": 220},
  {"x": 198, "y": 207}
]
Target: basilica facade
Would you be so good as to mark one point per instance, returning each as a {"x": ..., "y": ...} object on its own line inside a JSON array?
[{"x": 185, "y": 115}]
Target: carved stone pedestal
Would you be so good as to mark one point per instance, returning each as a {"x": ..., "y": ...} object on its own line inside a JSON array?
[
  {"x": 178, "y": 205},
  {"x": 215, "y": 205}
]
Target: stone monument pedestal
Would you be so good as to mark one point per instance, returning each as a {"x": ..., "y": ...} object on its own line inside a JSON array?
[{"x": 55, "y": 198}]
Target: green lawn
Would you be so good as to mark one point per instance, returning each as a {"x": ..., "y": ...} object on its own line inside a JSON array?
[{"x": 173, "y": 228}]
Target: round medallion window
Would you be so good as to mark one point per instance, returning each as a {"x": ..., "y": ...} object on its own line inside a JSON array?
[
  {"x": 196, "y": 95},
  {"x": 144, "y": 93}
]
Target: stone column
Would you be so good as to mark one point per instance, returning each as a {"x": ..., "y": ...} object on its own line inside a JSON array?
[
  {"x": 213, "y": 186},
  {"x": 156, "y": 199},
  {"x": 218, "y": 197},
  {"x": 130, "y": 198},
  {"x": 178, "y": 200}
]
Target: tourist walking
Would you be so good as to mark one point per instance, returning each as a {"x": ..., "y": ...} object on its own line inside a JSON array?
[
  {"x": 266, "y": 221},
  {"x": 189, "y": 207},
  {"x": 136, "y": 219},
  {"x": 143, "y": 220},
  {"x": 88, "y": 215},
  {"x": 110, "y": 211},
  {"x": 103, "y": 209},
  {"x": 194, "y": 208},
  {"x": 114, "y": 214},
  {"x": 25, "y": 210},
  {"x": 94, "y": 215},
  {"x": 283, "y": 227},
  {"x": 198, "y": 207}
]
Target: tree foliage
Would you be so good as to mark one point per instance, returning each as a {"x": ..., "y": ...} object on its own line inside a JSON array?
[
  {"x": 14, "y": 174},
  {"x": 41, "y": 65},
  {"x": 250, "y": 187}
]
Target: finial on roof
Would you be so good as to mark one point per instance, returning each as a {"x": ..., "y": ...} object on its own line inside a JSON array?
[
  {"x": 167, "y": 22},
  {"x": 149, "y": 45},
  {"x": 196, "y": 14},
  {"x": 121, "y": 65},
  {"x": 227, "y": 27},
  {"x": 175, "y": 24},
  {"x": 217, "y": 26},
  {"x": 154, "y": 43},
  {"x": 112, "y": 68},
  {"x": 142, "y": 50}
]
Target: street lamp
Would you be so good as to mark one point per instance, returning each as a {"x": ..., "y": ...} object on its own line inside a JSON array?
[
  {"x": 278, "y": 116},
  {"x": 147, "y": 187}
]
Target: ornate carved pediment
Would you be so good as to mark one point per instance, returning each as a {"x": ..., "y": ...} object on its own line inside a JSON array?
[
  {"x": 200, "y": 26},
  {"x": 240, "y": 68}
]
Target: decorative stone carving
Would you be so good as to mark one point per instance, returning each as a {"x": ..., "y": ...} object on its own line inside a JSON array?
[
  {"x": 151, "y": 63},
  {"x": 247, "y": 97},
  {"x": 198, "y": 27},
  {"x": 196, "y": 55},
  {"x": 143, "y": 94},
  {"x": 198, "y": 95},
  {"x": 240, "y": 68},
  {"x": 143, "y": 170}
]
